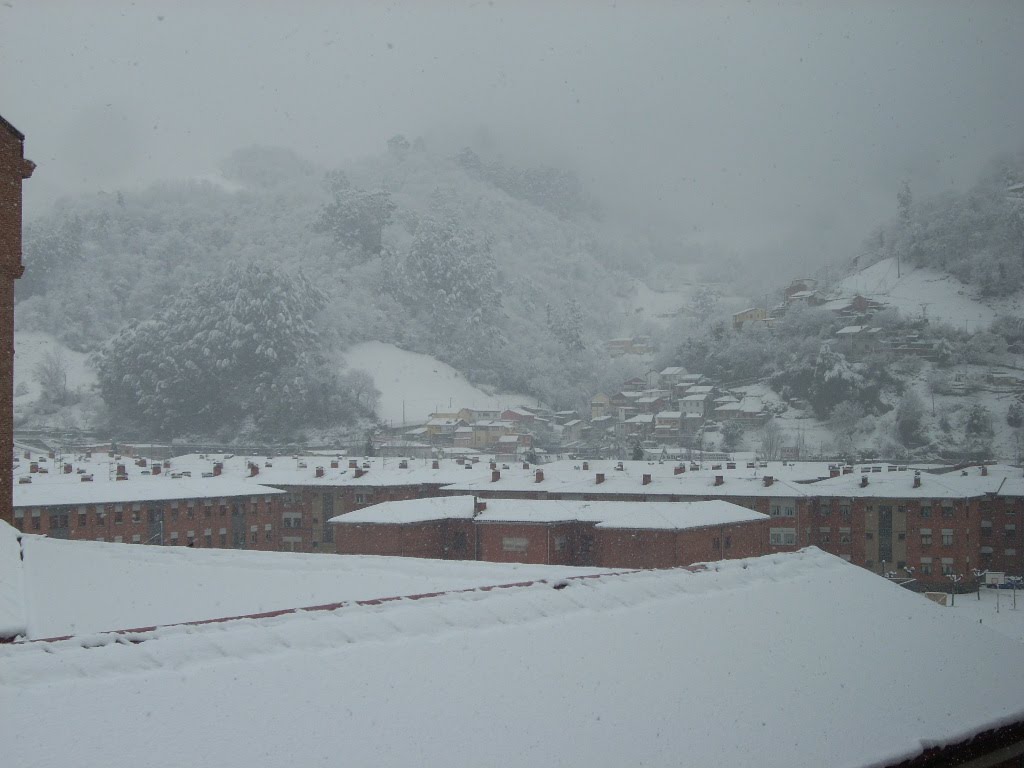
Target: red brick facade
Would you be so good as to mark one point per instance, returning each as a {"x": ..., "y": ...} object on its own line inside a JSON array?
[{"x": 14, "y": 169}]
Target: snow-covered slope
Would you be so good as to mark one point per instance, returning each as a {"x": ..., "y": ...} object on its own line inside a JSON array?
[
  {"x": 30, "y": 348},
  {"x": 919, "y": 291},
  {"x": 412, "y": 386}
]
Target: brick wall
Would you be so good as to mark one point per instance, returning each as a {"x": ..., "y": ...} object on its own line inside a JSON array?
[{"x": 13, "y": 170}]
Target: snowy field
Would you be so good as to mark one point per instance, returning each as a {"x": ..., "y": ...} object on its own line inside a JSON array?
[
  {"x": 1007, "y": 620},
  {"x": 80, "y": 587},
  {"x": 920, "y": 291},
  {"x": 412, "y": 386},
  {"x": 30, "y": 348}
]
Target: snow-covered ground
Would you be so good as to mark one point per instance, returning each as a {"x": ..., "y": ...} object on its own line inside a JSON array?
[
  {"x": 79, "y": 587},
  {"x": 1008, "y": 621},
  {"x": 412, "y": 385},
  {"x": 30, "y": 348},
  {"x": 919, "y": 291}
]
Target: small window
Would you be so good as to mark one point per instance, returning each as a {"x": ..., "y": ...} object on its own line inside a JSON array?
[
  {"x": 947, "y": 537},
  {"x": 515, "y": 544},
  {"x": 926, "y": 511}
]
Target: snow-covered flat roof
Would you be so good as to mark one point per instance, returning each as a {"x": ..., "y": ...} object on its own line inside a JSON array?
[
  {"x": 42, "y": 493},
  {"x": 80, "y": 587},
  {"x": 776, "y": 661},
  {"x": 607, "y": 514},
  {"x": 900, "y": 485}
]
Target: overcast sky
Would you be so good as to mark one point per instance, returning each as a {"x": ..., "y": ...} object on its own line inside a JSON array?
[{"x": 746, "y": 123}]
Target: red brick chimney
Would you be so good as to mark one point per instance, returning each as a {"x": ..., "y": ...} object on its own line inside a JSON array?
[
  {"x": 359, "y": 472},
  {"x": 678, "y": 470},
  {"x": 479, "y": 505},
  {"x": 254, "y": 469},
  {"x": 719, "y": 480},
  {"x": 600, "y": 477},
  {"x": 121, "y": 470},
  {"x": 494, "y": 465},
  {"x": 539, "y": 476},
  {"x": 33, "y": 467},
  {"x": 156, "y": 468},
  {"x": 984, "y": 470},
  {"x": 352, "y": 464},
  {"x": 833, "y": 471},
  {"x": 67, "y": 469},
  {"x": 586, "y": 465},
  {"x": 334, "y": 463},
  {"x": 435, "y": 464},
  {"x": 495, "y": 474},
  {"x": 526, "y": 465},
  {"x": 319, "y": 472},
  {"x": 917, "y": 479},
  {"x": 646, "y": 480},
  {"x": 767, "y": 481},
  {"x": 403, "y": 464},
  {"x": 863, "y": 481},
  {"x": 217, "y": 469}
]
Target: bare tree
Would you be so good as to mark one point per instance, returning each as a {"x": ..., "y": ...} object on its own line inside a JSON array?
[
  {"x": 771, "y": 440},
  {"x": 363, "y": 388},
  {"x": 52, "y": 374}
]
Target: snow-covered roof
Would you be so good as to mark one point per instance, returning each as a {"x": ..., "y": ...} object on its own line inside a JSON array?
[
  {"x": 670, "y": 414},
  {"x": 641, "y": 418},
  {"x": 900, "y": 485},
  {"x": 80, "y": 587},
  {"x": 679, "y": 672},
  {"x": 698, "y": 398},
  {"x": 43, "y": 493},
  {"x": 673, "y": 370},
  {"x": 676, "y": 515}
]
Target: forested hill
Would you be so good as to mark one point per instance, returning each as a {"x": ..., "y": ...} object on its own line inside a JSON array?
[{"x": 505, "y": 272}]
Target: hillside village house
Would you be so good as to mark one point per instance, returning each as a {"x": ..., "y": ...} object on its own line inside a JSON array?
[
  {"x": 14, "y": 169},
  {"x": 751, "y": 315}
]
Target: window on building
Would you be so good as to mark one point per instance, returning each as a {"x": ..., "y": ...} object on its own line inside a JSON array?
[
  {"x": 118, "y": 515},
  {"x": 82, "y": 519},
  {"x": 947, "y": 511},
  {"x": 208, "y": 540},
  {"x": 1010, "y": 552},
  {"x": 947, "y": 566},
  {"x": 869, "y": 535},
  {"x": 926, "y": 510},
  {"x": 844, "y": 513},
  {"x": 844, "y": 536},
  {"x": 136, "y": 538},
  {"x": 728, "y": 542},
  {"x": 926, "y": 537},
  {"x": 292, "y": 520},
  {"x": 19, "y": 519},
  {"x": 586, "y": 544},
  {"x": 1010, "y": 531},
  {"x": 781, "y": 537},
  {"x": 118, "y": 540},
  {"x": 136, "y": 516},
  {"x": 515, "y": 544},
  {"x": 947, "y": 537},
  {"x": 560, "y": 543},
  {"x": 926, "y": 565}
]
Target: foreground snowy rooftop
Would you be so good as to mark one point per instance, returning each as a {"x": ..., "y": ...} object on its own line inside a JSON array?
[
  {"x": 776, "y": 661},
  {"x": 73, "y": 587},
  {"x": 676, "y": 515}
]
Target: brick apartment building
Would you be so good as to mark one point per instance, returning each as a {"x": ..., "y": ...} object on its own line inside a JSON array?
[
  {"x": 611, "y": 534},
  {"x": 14, "y": 169}
]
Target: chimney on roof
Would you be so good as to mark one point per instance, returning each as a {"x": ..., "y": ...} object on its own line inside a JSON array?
[
  {"x": 730, "y": 465},
  {"x": 140, "y": 462},
  {"x": 403, "y": 464},
  {"x": 121, "y": 477},
  {"x": 254, "y": 469},
  {"x": 719, "y": 480},
  {"x": 156, "y": 468},
  {"x": 586, "y": 465},
  {"x": 646, "y": 480},
  {"x": 435, "y": 464},
  {"x": 33, "y": 467},
  {"x": 359, "y": 472},
  {"x": 767, "y": 480},
  {"x": 83, "y": 478},
  {"x": 479, "y": 505},
  {"x": 984, "y": 470},
  {"x": 678, "y": 469},
  {"x": 67, "y": 469},
  {"x": 539, "y": 476},
  {"x": 600, "y": 478},
  {"x": 334, "y": 463},
  {"x": 495, "y": 473},
  {"x": 319, "y": 472},
  {"x": 833, "y": 471},
  {"x": 863, "y": 481},
  {"x": 121, "y": 469},
  {"x": 917, "y": 479},
  {"x": 352, "y": 464},
  {"x": 847, "y": 470},
  {"x": 218, "y": 467}
]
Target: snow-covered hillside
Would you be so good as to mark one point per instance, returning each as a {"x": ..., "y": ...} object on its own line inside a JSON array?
[
  {"x": 30, "y": 348},
  {"x": 412, "y": 386},
  {"x": 919, "y": 291}
]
